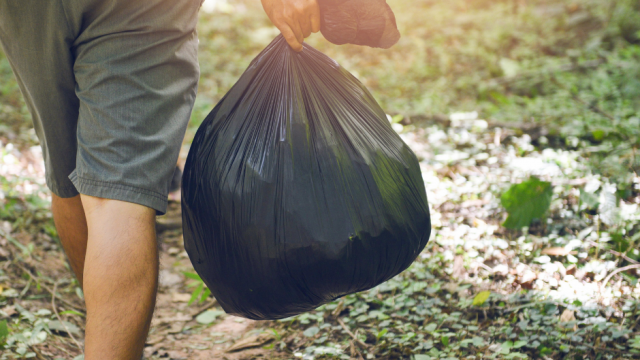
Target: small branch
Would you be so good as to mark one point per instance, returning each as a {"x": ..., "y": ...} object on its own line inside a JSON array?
[
  {"x": 55, "y": 310},
  {"x": 346, "y": 329},
  {"x": 38, "y": 354},
  {"x": 606, "y": 280},
  {"x": 68, "y": 303},
  {"x": 616, "y": 253}
]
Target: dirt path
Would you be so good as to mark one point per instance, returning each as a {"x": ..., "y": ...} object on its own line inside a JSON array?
[{"x": 175, "y": 333}]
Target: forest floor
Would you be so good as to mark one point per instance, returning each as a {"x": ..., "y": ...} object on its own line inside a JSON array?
[
  {"x": 535, "y": 250},
  {"x": 557, "y": 290}
]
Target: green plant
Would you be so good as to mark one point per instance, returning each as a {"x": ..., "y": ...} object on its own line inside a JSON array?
[{"x": 526, "y": 201}]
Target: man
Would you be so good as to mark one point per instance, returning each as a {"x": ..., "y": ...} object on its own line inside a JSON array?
[{"x": 110, "y": 85}]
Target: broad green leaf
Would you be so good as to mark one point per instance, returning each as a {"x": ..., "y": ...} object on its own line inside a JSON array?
[
  {"x": 445, "y": 341},
  {"x": 519, "y": 344},
  {"x": 63, "y": 326},
  {"x": 481, "y": 298},
  {"x": 208, "y": 316},
  {"x": 478, "y": 341},
  {"x": 311, "y": 332},
  {"x": 526, "y": 201},
  {"x": 421, "y": 357}
]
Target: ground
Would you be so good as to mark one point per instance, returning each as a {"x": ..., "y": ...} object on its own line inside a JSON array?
[
  {"x": 525, "y": 118},
  {"x": 544, "y": 289}
]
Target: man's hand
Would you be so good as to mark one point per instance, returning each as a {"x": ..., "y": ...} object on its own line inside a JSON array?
[{"x": 296, "y": 19}]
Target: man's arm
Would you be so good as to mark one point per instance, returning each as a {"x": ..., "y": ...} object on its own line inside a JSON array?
[{"x": 296, "y": 19}]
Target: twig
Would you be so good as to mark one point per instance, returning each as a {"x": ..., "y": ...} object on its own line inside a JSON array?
[
  {"x": 346, "y": 329},
  {"x": 38, "y": 354},
  {"x": 68, "y": 303},
  {"x": 55, "y": 310},
  {"x": 606, "y": 280},
  {"x": 616, "y": 253}
]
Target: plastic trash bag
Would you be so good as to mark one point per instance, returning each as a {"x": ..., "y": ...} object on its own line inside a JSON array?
[
  {"x": 296, "y": 190},
  {"x": 360, "y": 22}
]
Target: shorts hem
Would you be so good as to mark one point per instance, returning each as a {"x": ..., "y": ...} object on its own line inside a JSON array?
[
  {"x": 64, "y": 192},
  {"x": 114, "y": 191}
]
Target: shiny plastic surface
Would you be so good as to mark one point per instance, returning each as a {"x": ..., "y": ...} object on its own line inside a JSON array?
[
  {"x": 360, "y": 22},
  {"x": 296, "y": 190}
]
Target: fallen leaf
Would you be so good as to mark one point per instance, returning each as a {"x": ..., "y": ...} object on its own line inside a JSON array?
[
  {"x": 175, "y": 328},
  {"x": 481, "y": 298},
  {"x": 208, "y": 316},
  {"x": 567, "y": 315},
  {"x": 64, "y": 326},
  {"x": 251, "y": 342},
  {"x": 154, "y": 339},
  {"x": 479, "y": 223},
  {"x": 526, "y": 280},
  {"x": 557, "y": 251},
  {"x": 179, "y": 297},
  {"x": 9, "y": 310},
  {"x": 458, "y": 267}
]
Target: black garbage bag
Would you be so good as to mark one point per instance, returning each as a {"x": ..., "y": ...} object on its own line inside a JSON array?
[
  {"x": 297, "y": 191},
  {"x": 360, "y": 22}
]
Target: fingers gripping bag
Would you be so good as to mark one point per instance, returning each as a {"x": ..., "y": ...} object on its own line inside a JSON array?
[{"x": 297, "y": 191}]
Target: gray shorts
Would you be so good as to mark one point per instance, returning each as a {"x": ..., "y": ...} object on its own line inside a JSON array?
[{"x": 110, "y": 85}]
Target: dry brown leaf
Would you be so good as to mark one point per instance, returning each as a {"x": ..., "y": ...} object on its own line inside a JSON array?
[
  {"x": 479, "y": 223},
  {"x": 557, "y": 251},
  {"x": 154, "y": 339},
  {"x": 179, "y": 297},
  {"x": 9, "y": 310},
  {"x": 458, "y": 267},
  {"x": 526, "y": 280},
  {"x": 567, "y": 315},
  {"x": 251, "y": 342}
]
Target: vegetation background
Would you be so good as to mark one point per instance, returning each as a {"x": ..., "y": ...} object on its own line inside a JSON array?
[{"x": 525, "y": 115}]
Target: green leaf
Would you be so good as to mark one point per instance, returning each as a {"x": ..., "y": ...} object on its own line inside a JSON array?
[
  {"x": 79, "y": 293},
  {"x": 311, "y": 332},
  {"x": 421, "y": 357},
  {"x": 397, "y": 118},
  {"x": 4, "y": 330},
  {"x": 192, "y": 276},
  {"x": 205, "y": 295},
  {"x": 381, "y": 333},
  {"x": 196, "y": 293},
  {"x": 519, "y": 344},
  {"x": 208, "y": 316},
  {"x": 63, "y": 326},
  {"x": 526, "y": 201},
  {"x": 598, "y": 135},
  {"x": 478, "y": 341},
  {"x": 445, "y": 341},
  {"x": 481, "y": 298},
  {"x": 72, "y": 312}
]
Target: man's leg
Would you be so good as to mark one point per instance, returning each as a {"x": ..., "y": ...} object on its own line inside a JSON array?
[
  {"x": 71, "y": 224},
  {"x": 120, "y": 278}
]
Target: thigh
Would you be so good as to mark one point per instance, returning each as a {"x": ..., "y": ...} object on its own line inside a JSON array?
[
  {"x": 137, "y": 72},
  {"x": 36, "y": 40}
]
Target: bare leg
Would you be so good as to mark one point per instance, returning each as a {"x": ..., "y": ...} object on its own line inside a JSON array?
[
  {"x": 120, "y": 278},
  {"x": 68, "y": 215}
]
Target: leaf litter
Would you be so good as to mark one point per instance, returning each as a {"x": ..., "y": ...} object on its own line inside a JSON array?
[{"x": 478, "y": 291}]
